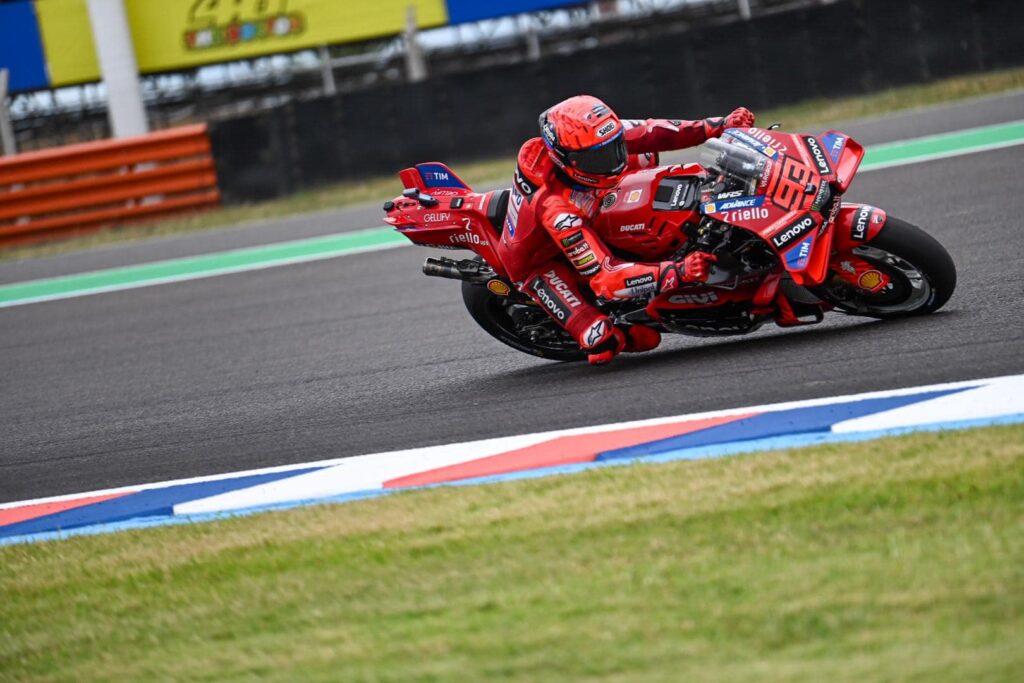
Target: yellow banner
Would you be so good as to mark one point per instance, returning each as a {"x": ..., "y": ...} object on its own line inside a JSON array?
[
  {"x": 67, "y": 42},
  {"x": 177, "y": 34}
]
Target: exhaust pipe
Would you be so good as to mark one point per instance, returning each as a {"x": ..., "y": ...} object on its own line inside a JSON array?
[{"x": 443, "y": 267}]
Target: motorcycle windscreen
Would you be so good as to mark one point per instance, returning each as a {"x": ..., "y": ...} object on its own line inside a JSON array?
[{"x": 735, "y": 161}]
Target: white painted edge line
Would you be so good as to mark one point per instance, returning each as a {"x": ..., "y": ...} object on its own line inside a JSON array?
[
  {"x": 515, "y": 441},
  {"x": 947, "y": 134},
  {"x": 938, "y": 155}
]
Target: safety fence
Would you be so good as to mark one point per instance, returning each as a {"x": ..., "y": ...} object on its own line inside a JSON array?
[{"x": 82, "y": 187}]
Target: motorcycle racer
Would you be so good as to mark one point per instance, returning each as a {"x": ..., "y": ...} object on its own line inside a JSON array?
[{"x": 560, "y": 182}]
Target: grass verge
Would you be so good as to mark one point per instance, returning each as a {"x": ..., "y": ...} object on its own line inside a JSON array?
[
  {"x": 480, "y": 173},
  {"x": 899, "y": 559}
]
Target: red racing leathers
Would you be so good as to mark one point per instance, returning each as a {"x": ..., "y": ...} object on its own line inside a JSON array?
[{"x": 549, "y": 227}]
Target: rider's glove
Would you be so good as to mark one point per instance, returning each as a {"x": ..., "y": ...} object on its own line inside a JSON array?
[
  {"x": 740, "y": 118},
  {"x": 694, "y": 267}
]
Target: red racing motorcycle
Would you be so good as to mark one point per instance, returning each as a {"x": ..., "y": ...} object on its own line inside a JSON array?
[{"x": 767, "y": 204}]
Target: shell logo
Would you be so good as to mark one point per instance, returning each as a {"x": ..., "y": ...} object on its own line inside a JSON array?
[
  {"x": 498, "y": 287},
  {"x": 870, "y": 279}
]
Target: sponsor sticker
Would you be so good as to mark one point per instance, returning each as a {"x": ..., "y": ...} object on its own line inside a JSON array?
[
  {"x": 734, "y": 204},
  {"x": 437, "y": 176},
  {"x": 596, "y": 333},
  {"x": 467, "y": 238},
  {"x": 579, "y": 249},
  {"x": 607, "y": 128},
  {"x": 814, "y": 147},
  {"x": 584, "y": 260},
  {"x": 640, "y": 280},
  {"x": 798, "y": 256},
  {"x": 633, "y": 227},
  {"x": 745, "y": 215},
  {"x": 523, "y": 183},
  {"x": 572, "y": 239},
  {"x": 769, "y": 149},
  {"x": 568, "y": 221},
  {"x": 859, "y": 229},
  {"x": 834, "y": 143},
  {"x": 498, "y": 287},
  {"x": 794, "y": 231},
  {"x": 549, "y": 300},
  {"x": 634, "y": 196},
  {"x": 563, "y": 289},
  {"x": 870, "y": 279},
  {"x": 701, "y": 299}
]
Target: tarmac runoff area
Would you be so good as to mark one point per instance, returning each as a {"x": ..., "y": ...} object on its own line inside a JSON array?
[
  {"x": 683, "y": 437},
  {"x": 889, "y": 155}
]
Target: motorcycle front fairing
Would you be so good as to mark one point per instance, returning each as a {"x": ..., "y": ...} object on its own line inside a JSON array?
[{"x": 785, "y": 196}]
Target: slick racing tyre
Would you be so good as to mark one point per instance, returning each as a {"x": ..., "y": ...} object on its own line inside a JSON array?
[
  {"x": 922, "y": 272},
  {"x": 521, "y": 325}
]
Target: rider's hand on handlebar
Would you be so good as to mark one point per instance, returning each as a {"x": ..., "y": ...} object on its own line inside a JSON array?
[
  {"x": 693, "y": 267},
  {"x": 740, "y": 118}
]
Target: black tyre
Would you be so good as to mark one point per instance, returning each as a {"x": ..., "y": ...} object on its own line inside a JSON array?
[
  {"x": 922, "y": 272},
  {"x": 522, "y": 326}
]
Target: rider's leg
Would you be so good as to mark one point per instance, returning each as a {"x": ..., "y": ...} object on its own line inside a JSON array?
[{"x": 553, "y": 285}]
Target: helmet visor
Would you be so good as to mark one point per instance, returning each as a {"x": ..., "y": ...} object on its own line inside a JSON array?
[{"x": 608, "y": 158}]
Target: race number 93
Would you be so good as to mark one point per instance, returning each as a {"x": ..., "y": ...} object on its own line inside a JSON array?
[{"x": 791, "y": 184}]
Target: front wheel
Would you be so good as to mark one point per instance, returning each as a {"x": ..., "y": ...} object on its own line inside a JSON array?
[
  {"x": 522, "y": 326},
  {"x": 922, "y": 272}
]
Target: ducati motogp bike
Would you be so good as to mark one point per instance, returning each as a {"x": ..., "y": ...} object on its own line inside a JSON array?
[{"x": 767, "y": 204}]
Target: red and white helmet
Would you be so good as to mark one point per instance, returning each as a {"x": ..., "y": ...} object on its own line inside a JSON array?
[{"x": 586, "y": 140}]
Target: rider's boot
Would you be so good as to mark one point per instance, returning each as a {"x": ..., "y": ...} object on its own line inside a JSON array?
[{"x": 641, "y": 338}]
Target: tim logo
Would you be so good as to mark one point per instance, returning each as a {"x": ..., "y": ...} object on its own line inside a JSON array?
[
  {"x": 436, "y": 175},
  {"x": 225, "y": 23}
]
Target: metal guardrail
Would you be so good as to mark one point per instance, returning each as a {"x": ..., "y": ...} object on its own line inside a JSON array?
[{"x": 82, "y": 187}]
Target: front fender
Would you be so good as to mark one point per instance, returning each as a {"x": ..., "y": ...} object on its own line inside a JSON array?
[{"x": 857, "y": 224}]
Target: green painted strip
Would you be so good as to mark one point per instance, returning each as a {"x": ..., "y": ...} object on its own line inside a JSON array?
[
  {"x": 284, "y": 253},
  {"x": 944, "y": 145},
  {"x": 208, "y": 265}
]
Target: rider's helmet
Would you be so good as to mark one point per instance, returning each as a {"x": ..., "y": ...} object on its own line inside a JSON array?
[{"x": 586, "y": 140}]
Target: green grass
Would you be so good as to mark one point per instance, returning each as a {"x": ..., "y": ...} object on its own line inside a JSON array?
[
  {"x": 894, "y": 560},
  {"x": 794, "y": 117}
]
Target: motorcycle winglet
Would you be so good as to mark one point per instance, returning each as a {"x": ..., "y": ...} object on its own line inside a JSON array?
[{"x": 846, "y": 155}]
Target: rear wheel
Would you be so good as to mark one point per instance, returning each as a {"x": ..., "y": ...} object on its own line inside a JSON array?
[
  {"x": 923, "y": 275},
  {"x": 522, "y": 326}
]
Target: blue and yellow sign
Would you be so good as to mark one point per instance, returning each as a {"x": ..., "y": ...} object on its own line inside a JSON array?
[{"x": 178, "y": 34}]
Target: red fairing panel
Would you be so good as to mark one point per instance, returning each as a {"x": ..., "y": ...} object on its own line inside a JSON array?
[{"x": 858, "y": 224}]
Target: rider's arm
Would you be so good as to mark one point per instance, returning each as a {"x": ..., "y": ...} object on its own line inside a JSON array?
[
  {"x": 608, "y": 276},
  {"x": 661, "y": 135}
]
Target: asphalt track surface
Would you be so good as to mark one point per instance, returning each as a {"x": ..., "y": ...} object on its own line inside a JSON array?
[{"x": 362, "y": 353}]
